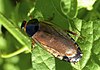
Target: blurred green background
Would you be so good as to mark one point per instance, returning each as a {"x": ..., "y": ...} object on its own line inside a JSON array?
[{"x": 8, "y": 43}]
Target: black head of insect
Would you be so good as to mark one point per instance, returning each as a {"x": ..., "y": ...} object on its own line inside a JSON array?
[{"x": 30, "y": 27}]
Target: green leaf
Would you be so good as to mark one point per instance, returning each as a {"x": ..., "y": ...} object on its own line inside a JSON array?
[
  {"x": 96, "y": 44},
  {"x": 92, "y": 65},
  {"x": 89, "y": 44},
  {"x": 41, "y": 59},
  {"x": 88, "y": 4},
  {"x": 69, "y": 8},
  {"x": 16, "y": 33},
  {"x": 6, "y": 8},
  {"x": 50, "y": 8},
  {"x": 24, "y": 8},
  {"x": 85, "y": 43}
]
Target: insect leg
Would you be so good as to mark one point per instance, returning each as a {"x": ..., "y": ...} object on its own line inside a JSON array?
[
  {"x": 33, "y": 42},
  {"x": 73, "y": 33}
]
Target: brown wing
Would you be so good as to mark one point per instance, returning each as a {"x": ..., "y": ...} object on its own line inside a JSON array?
[{"x": 55, "y": 41}]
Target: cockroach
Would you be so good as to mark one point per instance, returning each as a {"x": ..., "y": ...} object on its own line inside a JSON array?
[{"x": 53, "y": 39}]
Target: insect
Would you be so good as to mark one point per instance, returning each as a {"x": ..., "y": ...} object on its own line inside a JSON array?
[{"x": 53, "y": 39}]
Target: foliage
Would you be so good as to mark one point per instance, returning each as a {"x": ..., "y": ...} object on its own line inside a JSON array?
[{"x": 80, "y": 16}]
